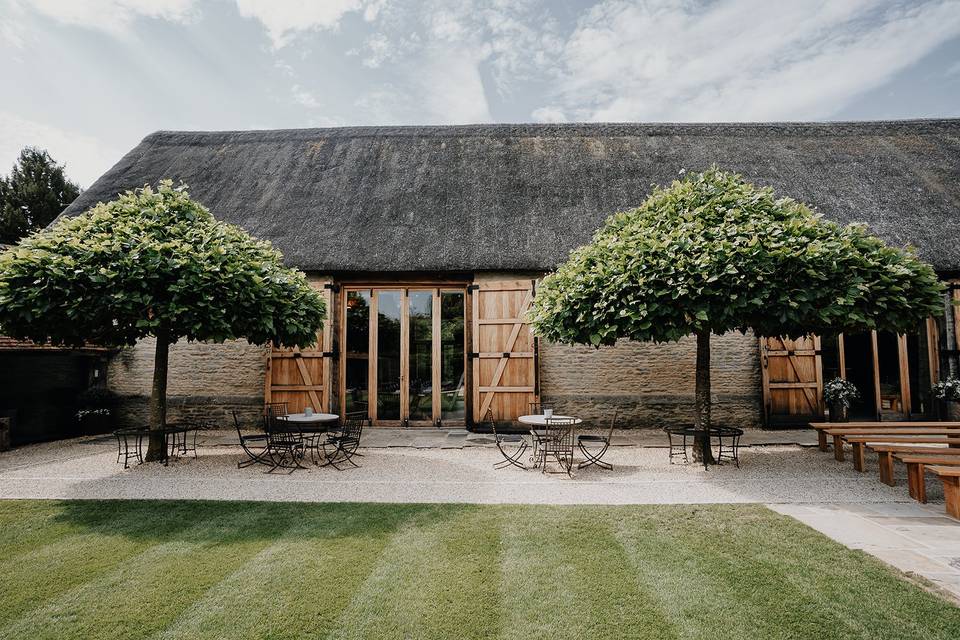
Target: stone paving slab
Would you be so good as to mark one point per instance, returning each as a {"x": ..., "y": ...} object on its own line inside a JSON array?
[{"x": 915, "y": 538}]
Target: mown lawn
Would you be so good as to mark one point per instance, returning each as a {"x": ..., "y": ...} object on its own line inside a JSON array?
[{"x": 129, "y": 569}]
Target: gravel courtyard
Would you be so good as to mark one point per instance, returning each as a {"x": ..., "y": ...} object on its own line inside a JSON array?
[{"x": 87, "y": 468}]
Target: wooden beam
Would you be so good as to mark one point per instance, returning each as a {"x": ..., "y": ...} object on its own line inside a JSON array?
[
  {"x": 876, "y": 373},
  {"x": 372, "y": 359},
  {"x": 904, "y": 375},
  {"x": 435, "y": 357}
]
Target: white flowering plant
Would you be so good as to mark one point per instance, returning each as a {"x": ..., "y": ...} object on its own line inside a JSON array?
[
  {"x": 840, "y": 391},
  {"x": 948, "y": 389}
]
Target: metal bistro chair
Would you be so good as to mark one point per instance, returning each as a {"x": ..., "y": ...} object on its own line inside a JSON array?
[
  {"x": 558, "y": 443},
  {"x": 594, "y": 446},
  {"x": 249, "y": 442},
  {"x": 284, "y": 446},
  {"x": 536, "y": 409},
  {"x": 511, "y": 445},
  {"x": 342, "y": 446}
]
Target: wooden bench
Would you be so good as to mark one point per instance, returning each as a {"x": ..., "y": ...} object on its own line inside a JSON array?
[
  {"x": 859, "y": 442},
  {"x": 822, "y": 427},
  {"x": 839, "y": 435},
  {"x": 916, "y": 466},
  {"x": 886, "y": 451},
  {"x": 950, "y": 476}
]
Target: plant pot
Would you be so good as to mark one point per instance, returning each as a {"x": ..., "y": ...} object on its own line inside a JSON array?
[{"x": 838, "y": 413}]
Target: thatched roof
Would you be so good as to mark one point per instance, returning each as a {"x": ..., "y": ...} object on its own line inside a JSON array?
[{"x": 519, "y": 197}]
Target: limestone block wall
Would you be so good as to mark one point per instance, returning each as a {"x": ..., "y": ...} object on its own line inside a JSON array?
[
  {"x": 653, "y": 384},
  {"x": 205, "y": 382}
]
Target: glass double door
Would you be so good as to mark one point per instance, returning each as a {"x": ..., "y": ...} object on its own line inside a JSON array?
[{"x": 404, "y": 354}]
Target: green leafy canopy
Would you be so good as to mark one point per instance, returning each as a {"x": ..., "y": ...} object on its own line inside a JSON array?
[
  {"x": 713, "y": 252},
  {"x": 153, "y": 262}
]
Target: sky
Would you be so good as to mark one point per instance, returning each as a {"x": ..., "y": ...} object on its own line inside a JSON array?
[{"x": 88, "y": 79}]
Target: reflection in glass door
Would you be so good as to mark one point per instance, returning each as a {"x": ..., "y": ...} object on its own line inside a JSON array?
[
  {"x": 420, "y": 358},
  {"x": 388, "y": 354},
  {"x": 452, "y": 370},
  {"x": 356, "y": 351},
  {"x": 404, "y": 355}
]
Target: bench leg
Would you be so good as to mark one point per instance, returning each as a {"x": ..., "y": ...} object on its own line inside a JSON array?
[
  {"x": 838, "y": 448},
  {"x": 951, "y": 495},
  {"x": 858, "y": 461},
  {"x": 822, "y": 440},
  {"x": 918, "y": 489},
  {"x": 885, "y": 460}
]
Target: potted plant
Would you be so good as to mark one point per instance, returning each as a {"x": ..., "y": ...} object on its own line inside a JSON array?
[
  {"x": 839, "y": 394},
  {"x": 96, "y": 411},
  {"x": 946, "y": 391}
]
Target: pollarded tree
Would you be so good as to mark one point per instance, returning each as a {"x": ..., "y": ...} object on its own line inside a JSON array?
[
  {"x": 155, "y": 263},
  {"x": 713, "y": 253}
]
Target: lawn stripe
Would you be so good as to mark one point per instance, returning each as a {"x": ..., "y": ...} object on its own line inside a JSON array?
[
  {"x": 62, "y": 551},
  {"x": 56, "y": 568},
  {"x": 147, "y": 590},
  {"x": 563, "y": 571},
  {"x": 437, "y": 578},
  {"x": 299, "y": 584},
  {"x": 756, "y": 576}
]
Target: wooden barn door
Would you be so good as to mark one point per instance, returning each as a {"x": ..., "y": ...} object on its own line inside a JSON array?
[
  {"x": 300, "y": 377},
  {"x": 504, "y": 350},
  {"x": 792, "y": 380}
]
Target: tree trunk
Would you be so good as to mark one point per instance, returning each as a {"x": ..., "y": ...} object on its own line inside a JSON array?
[
  {"x": 158, "y": 398},
  {"x": 701, "y": 416}
]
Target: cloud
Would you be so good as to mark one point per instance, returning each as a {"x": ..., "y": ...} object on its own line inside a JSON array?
[
  {"x": 284, "y": 19},
  {"x": 549, "y": 114},
  {"x": 740, "y": 59},
  {"x": 113, "y": 16},
  {"x": 86, "y": 158}
]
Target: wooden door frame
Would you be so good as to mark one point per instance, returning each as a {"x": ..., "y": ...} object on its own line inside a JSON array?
[
  {"x": 903, "y": 363},
  {"x": 437, "y": 289}
]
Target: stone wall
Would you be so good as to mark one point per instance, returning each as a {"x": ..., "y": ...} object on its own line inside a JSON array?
[
  {"x": 205, "y": 382},
  {"x": 652, "y": 384}
]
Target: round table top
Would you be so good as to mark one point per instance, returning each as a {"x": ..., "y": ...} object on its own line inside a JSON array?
[
  {"x": 311, "y": 419},
  {"x": 540, "y": 420}
]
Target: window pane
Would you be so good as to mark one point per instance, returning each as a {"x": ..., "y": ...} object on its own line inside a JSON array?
[
  {"x": 357, "y": 350},
  {"x": 420, "y": 371},
  {"x": 452, "y": 399},
  {"x": 918, "y": 363},
  {"x": 388, "y": 355},
  {"x": 830, "y": 356},
  {"x": 888, "y": 357}
]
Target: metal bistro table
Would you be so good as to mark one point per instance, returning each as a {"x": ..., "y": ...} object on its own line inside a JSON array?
[
  {"x": 310, "y": 427},
  {"x": 304, "y": 422},
  {"x": 130, "y": 442}
]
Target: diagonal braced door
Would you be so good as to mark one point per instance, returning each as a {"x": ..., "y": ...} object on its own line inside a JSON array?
[{"x": 504, "y": 350}]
